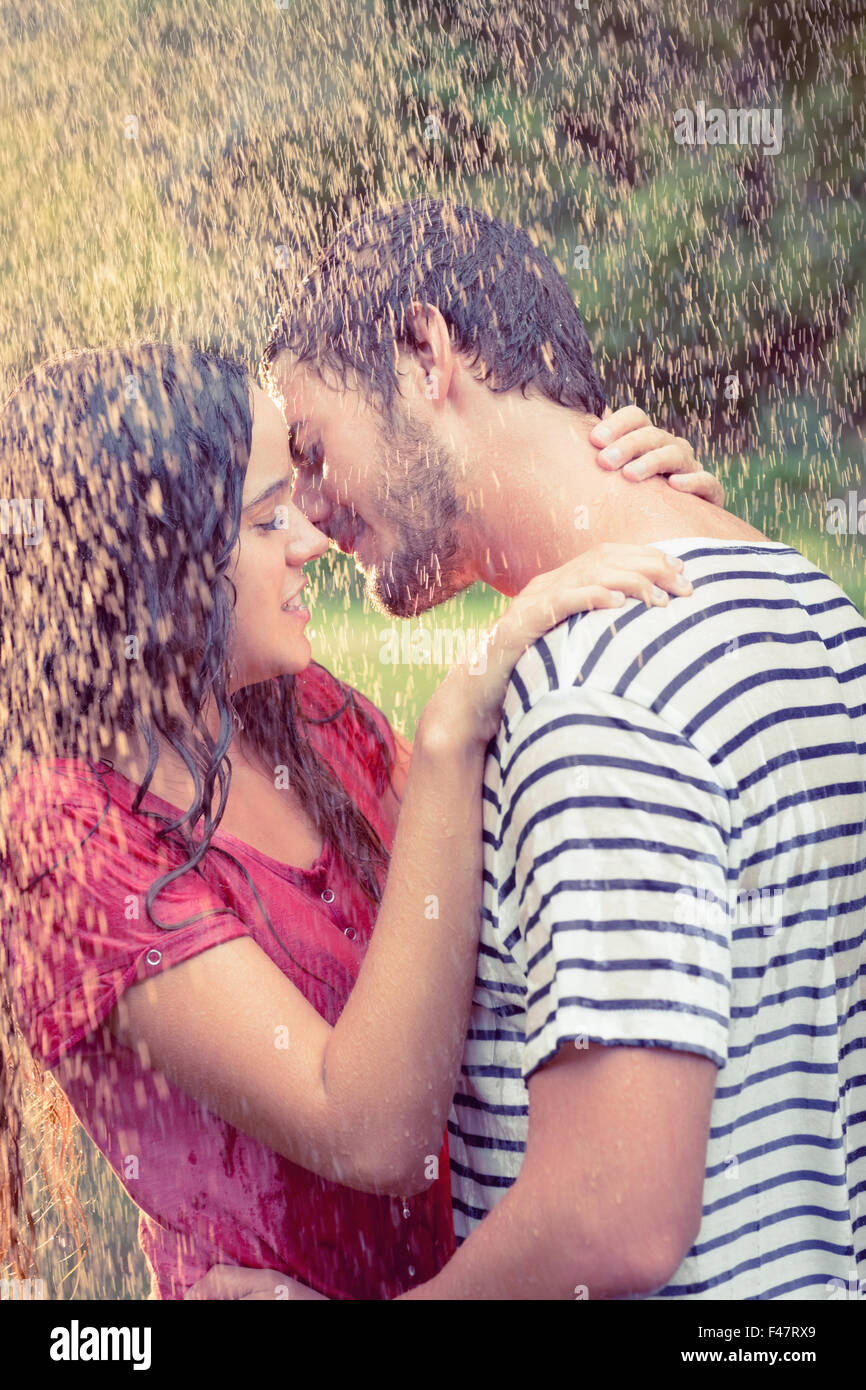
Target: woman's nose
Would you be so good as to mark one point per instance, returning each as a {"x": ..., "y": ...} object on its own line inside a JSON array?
[
  {"x": 320, "y": 542},
  {"x": 307, "y": 543}
]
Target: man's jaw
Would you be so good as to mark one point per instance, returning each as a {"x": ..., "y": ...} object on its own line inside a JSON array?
[
  {"x": 400, "y": 587},
  {"x": 395, "y": 595}
]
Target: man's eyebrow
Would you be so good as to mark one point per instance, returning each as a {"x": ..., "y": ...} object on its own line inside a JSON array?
[{"x": 279, "y": 486}]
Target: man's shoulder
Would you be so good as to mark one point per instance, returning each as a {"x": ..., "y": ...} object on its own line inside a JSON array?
[{"x": 666, "y": 659}]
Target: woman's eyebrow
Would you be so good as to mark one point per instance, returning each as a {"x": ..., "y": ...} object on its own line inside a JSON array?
[{"x": 279, "y": 486}]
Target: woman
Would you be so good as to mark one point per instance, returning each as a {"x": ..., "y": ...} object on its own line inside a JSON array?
[{"x": 198, "y": 822}]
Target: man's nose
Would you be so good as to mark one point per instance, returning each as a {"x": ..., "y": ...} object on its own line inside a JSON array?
[{"x": 308, "y": 495}]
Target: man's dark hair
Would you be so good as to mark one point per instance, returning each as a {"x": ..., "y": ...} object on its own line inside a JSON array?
[{"x": 509, "y": 312}]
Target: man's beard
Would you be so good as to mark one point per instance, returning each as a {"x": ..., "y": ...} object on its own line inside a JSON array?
[{"x": 421, "y": 508}]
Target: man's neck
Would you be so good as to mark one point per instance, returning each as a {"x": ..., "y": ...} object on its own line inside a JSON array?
[{"x": 539, "y": 497}]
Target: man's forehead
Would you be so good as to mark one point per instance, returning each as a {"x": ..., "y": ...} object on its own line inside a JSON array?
[
  {"x": 287, "y": 378},
  {"x": 313, "y": 393},
  {"x": 297, "y": 391},
  {"x": 286, "y": 389}
]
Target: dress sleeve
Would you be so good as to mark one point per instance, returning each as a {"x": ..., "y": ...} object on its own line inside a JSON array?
[{"x": 80, "y": 934}]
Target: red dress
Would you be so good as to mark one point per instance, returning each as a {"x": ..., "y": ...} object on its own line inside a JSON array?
[{"x": 208, "y": 1193}]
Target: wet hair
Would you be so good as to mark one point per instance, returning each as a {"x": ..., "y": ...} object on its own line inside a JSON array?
[
  {"x": 140, "y": 456},
  {"x": 509, "y": 311}
]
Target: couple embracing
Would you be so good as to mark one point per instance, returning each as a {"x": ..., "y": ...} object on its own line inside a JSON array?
[{"x": 578, "y": 1056}]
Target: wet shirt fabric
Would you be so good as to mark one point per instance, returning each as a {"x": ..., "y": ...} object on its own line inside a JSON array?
[
  {"x": 675, "y": 857},
  {"x": 207, "y": 1192}
]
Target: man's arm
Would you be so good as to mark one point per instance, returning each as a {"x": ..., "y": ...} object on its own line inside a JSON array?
[
  {"x": 608, "y": 1201},
  {"x": 613, "y": 849}
]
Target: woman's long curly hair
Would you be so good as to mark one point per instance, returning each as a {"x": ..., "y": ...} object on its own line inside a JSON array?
[{"x": 132, "y": 462}]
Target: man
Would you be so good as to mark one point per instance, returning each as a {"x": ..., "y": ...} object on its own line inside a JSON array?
[{"x": 662, "y": 1085}]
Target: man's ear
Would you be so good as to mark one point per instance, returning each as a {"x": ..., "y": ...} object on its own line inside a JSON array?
[{"x": 434, "y": 362}]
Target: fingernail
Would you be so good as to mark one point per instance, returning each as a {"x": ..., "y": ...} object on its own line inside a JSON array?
[
  {"x": 634, "y": 470},
  {"x": 684, "y": 585},
  {"x": 617, "y": 597},
  {"x": 659, "y": 595},
  {"x": 675, "y": 561},
  {"x": 611, "y": 456},
  {"x": 602, "y": 433}
]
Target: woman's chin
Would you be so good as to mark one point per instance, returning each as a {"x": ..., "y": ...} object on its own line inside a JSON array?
[
  {"x": 290, "y": 663},
  {"x": 301, "y": 656}
]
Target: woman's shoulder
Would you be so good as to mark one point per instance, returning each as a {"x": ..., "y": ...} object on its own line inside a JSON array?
[
  {"x": 57, "y": 805},
  {"x": 42, "y": 788}
]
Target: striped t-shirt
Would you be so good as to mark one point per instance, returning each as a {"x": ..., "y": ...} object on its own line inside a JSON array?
[{"x": 675, "y": 856}]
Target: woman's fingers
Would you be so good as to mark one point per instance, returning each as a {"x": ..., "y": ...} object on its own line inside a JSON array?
[
  {"x": 652, "y": 589},
  {"x": 639, "y": 447},
  {"x": 221, "y": 1281},
  {"x": 236, "y": 1282},
  {"x": 610, "y": 590},
  {"x": 604, "y": 560},
  {"x": 618, "y": 423},
  {"x": 628, "y": 440},
  {"x": 648, "y": 452},
  {"x": 643, "y": 573},
  {"x": 661, "y": 456},
  {"x": 701, "y": 484}
]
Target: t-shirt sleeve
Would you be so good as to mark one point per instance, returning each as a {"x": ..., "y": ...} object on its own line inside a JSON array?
[
  {"x": 81, "y": 935},
  {"x": 612, "y": 872}
]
